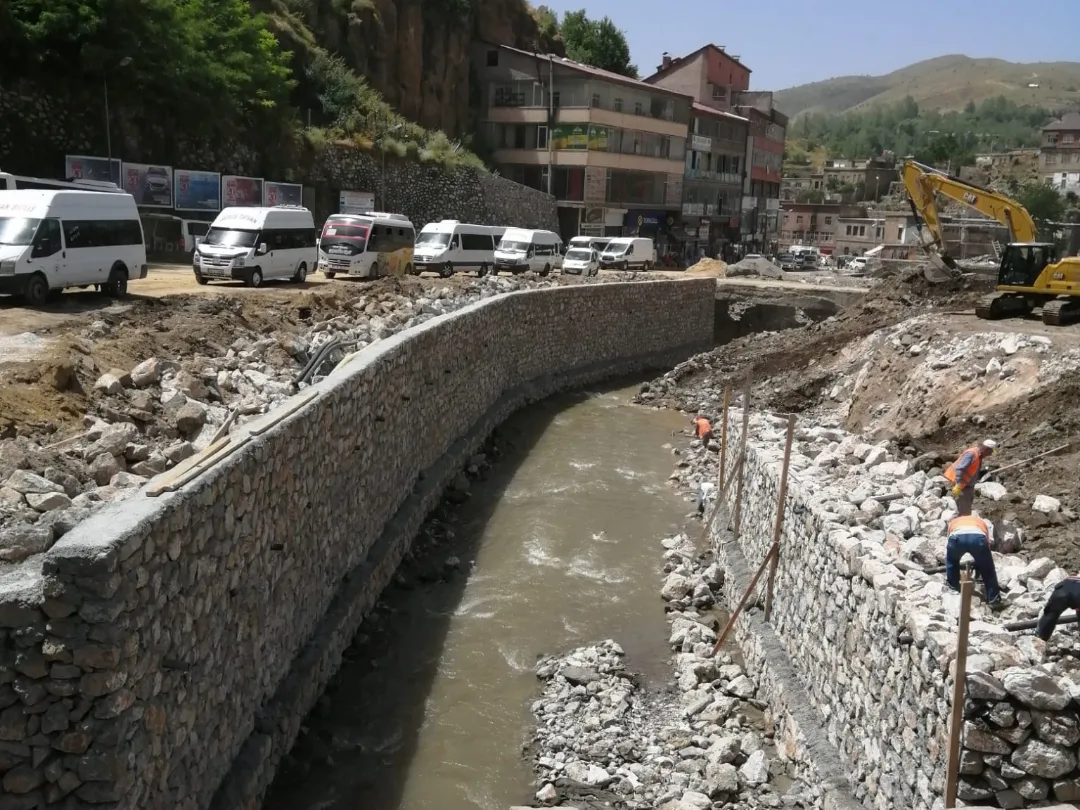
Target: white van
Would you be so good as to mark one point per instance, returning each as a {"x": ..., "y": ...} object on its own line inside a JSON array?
[
  {"x": 450, "y": 245},
  {"x": 627, "y": 252},
  {"x": 521, "y": 250},
  {"x": 256, "y": 245},
  {"x": 597, "y": 243},
  {"x": 367, "y": 245},
  {"x": 50, "y": 240}
]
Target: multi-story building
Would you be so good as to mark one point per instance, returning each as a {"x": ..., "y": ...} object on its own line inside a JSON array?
[
  {"x": 859, "y": 233},
  {"x": 1059, "y": 161},
  {"x": 612, "y": 150},
  {"x": 813, "y": 224},
  {"x": 718, "y": 80},
  {"x": 801, "y": 180},
  {"x": 712, "y": 185},
  {"x": 869, "y": 179}
]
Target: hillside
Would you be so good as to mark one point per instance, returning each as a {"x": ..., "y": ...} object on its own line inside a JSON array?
[{"x": 945, "y": 83}]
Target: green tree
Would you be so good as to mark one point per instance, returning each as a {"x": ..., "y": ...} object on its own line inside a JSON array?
[
  {"x": 597, "y": 42},
  {"x": 1043, "y": 203}
]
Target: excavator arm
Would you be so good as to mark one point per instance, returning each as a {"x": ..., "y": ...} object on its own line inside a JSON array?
[{"x": 924, "y": 182}]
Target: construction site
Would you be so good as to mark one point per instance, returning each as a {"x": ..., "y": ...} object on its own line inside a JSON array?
[{"x": 223, "y": 511}]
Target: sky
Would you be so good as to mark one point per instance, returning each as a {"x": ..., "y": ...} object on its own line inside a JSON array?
[{"x": 791, "y": 42}]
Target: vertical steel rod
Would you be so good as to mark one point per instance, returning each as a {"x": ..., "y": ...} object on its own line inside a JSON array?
[
  {"x": 778, "y": 528},
  {"x": 742, "y": 456},
  {"x": 723, "y": 437}
]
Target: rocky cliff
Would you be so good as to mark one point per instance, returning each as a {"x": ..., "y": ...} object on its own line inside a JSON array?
[{"x": 415, "y": 53}]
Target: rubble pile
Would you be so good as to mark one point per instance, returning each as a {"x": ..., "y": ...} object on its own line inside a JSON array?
[{"x": 145, "y": 420}]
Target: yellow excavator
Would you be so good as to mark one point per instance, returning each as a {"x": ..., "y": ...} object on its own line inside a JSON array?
[{"x": 1031, "y": 274}]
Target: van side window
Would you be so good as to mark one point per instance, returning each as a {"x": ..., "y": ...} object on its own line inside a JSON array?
[
  {"x": 629, "y": 250},
  {"x": 102, "y": 233},
  {"x": 475, "y": 241},
  {"x": 47, "y": 242}
]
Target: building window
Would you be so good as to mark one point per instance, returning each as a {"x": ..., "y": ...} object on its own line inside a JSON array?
[
  {"x": 847, "y": 230},
  {"x": 828, "y": 220},
  {"x": 1068, "y": 137},
  {"x": 665, "y": 148},
  {"x": 798, "y": 220},
  {"x": 616, "y": 104},
  {"x": 596, "y": 99},
  {"x": 492, "y": 58},
  {"x": 862, "y": 230},
  {"x": 718, "y": 92},
  {"x": 639, "y": 108},
  {"x": 1051, "y": 158},
  {"x": 555, "y": 99},
  {"x": 541, "y": 137}
]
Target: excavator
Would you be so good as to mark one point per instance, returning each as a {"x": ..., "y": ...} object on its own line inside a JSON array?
[{"x": 1031, "y": 275}]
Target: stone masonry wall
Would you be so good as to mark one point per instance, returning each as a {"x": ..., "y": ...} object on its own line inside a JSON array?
[
  {"x": 164, "y": 653},
  {"x": 860, "y": 682}
]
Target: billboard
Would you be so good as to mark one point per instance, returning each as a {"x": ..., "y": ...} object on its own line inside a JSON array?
[
  {"x": 598, "y": 138},
  {"x": 282, "y": 193},
  {"x": 241, "y": 191},
  {"x": 356, "y": 202},
  {"x": 85, "y": 167},
  {"x": 570, "y": 136},
  {"x": 196, "y": 191},
  {"x": 150, "y": 185}
]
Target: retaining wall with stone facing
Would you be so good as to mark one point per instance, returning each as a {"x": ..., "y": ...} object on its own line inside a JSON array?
[
  {"x": 165, "y": 652},
  {"x": 860, "y": 682}
]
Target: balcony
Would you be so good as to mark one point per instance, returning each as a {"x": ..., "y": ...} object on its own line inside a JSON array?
[{"x": 731, "y": 178}]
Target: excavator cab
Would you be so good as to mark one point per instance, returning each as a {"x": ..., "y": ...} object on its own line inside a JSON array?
[{"x": 1023, "y": 262}]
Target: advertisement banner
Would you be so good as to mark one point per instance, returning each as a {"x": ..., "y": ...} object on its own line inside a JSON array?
[
  {"x": 197, "y": 191},
  {"x": 700, "y": 143},
  {"x": 570, "y": 136},
  {"x": 595, "y": 184},
  {"x": 356, "y": 202},
  {"x": 84, "y": 167},
  {"x": 282, "y": 194},
  {"x": 241, "y": 191},
  {"x": 598, "y": 138},
  {"x": 151, "y": 186}
]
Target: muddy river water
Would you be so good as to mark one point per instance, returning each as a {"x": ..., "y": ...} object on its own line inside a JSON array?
[{"x": 558, "y": 547}]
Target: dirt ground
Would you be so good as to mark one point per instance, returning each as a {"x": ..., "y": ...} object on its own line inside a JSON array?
[{"x": 799, "y": 371}]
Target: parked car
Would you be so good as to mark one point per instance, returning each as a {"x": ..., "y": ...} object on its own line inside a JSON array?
[
  {"x": 581, "y": 261},
  {"x": 786, "y": 261}
]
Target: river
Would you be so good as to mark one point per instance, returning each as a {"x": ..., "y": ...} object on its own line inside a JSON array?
[{"x": 558, "y": 547}]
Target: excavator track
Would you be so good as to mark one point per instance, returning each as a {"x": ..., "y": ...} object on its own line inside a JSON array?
[
  {"x": 995, "y": 306},
  {"x": 1061, "y": 311}
]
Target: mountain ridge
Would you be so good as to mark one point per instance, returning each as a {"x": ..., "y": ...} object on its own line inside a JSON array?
[{"x": 945, "y": 82}]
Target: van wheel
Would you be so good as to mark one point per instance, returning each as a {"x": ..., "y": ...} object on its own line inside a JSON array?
[
  {"x": 410, "y": 270},
  {"x": 116, "y": 286},
  {"x": 374, "y": 270},
  {"x": 301, "y": 274},
  {"x": 624, "y": 266},
  {"x": 482, "y": 271},
  {"x": 200, "y": 280},
  {"x": 254, "y": 278},
  {"x": 446, "y": 270},
  {"x": 329, "y": 273},
  {"x": 37, "y": 290},
  {"x": 647, "y": 266},
  {"x": 546, "y": 270}
]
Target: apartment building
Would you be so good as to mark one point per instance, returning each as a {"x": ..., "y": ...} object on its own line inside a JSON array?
[
  {"x": 611, "y": 150},
  {"x": 718, "y": 80},
  {"x": 1059, "y": 158},
  {"x": 813, "y": 224},
  {"x": 857, "y": 234},
  {"x": 869, "y": 179},
  {"x": 800, "y": 180},
  {"x": 712, "y": 184}
]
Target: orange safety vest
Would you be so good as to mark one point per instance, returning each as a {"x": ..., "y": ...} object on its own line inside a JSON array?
[
  {"x": 969, "y": 524},
  {"x": 969, "y": 473},
  {"x": 702, "y": 426}
]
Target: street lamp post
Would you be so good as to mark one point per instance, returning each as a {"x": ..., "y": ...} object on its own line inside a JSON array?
[
  {"x": 382, "y": 180},
  {"x": 108, "y": 121}
]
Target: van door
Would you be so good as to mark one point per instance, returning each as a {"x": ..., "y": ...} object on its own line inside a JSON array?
[
  {"x": 83, "y": 258},
  {"x": 48, "y": 254}
]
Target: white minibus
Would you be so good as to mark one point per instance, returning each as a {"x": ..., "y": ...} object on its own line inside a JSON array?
[
  {"x": 597, "y": 243},
  {"x": 256, "y": 245},
  {"x": 50, "y": 240},
  {"x": 15, "y": 182},
  {"x": 448, "y": 246},
  {"x": 367, "y": 245},
  {"x": 521, "y": 250},
  {"x": 626, "y": 252}
]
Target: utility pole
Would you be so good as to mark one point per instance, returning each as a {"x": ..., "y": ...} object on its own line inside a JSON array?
[
  {"x": 382, "y": 178},
  {"x": 108, "y": 121}
]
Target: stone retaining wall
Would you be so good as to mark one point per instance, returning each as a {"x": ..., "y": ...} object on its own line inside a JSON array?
[
  {"x": 165, "y": 652},
  {"x": 859, "y": 682}
]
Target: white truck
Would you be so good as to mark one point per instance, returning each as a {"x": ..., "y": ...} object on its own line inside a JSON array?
[
  {"x": 521, "y": 250},
  {"x": 257, "y": 244},
  {"x": 50, "y": 240},
  {"x": 629, "y": 252},
  {"x": 448, "y": 246}
]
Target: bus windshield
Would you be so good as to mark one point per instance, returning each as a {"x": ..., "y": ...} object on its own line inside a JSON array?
[
  {"x": 430, "y": 238},
  {"x": 17, "y": 230},
  {"x": 230, "y": 237}
]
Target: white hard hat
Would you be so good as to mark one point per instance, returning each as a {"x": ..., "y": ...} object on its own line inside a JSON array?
[{"x": 990, "y": 444}]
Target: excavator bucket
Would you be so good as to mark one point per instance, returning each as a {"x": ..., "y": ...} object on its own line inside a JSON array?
[{"x": 940, "y": 269}]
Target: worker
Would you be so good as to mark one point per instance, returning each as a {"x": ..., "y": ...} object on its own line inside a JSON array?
[
  {"x": 973, "y": 535},
  {"x": 704, "y": 492},
  {"x": 703, "y": 430},
  {"x": 963, "y": 474},
  {"x": 1066, "y": 594}
]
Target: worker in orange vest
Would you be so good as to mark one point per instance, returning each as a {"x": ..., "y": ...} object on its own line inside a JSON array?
[
  {"x": 974, "y": 536},
  {"x": 963, "y": 474},
  {"x": 1066, "y": 594},
  {"x": 703, "y": 430}
]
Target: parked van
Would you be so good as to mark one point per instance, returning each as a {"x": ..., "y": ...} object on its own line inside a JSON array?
[
  {"x": 521, "y": 250},
  {"x": 450, "y": 245},
  {"x": 367, "y": 245},
  {"x": 15, "y": 182},
  {"x": 256, "y": 245},
  {"x": 597, "y": 243},
  {"x": 629, "y": 252},
  {"x": 50, "y": 240}
]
